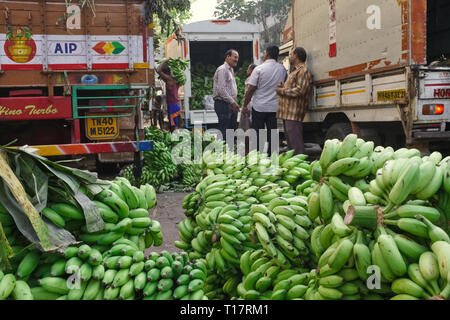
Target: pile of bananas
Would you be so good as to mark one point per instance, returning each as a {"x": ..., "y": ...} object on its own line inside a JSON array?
[
  {"x": 123, "y": 208},
  {"x": 47, "y": 276},
  {"x": 263, "y": 278},
  {"x": 158, "y": 165},
  {"x": 192, "y": 174},
  {"x": 362, "y": 222},
  {"x": 159, "y": 168},
  {"x": 155, "y": 134},
  {"x": 283, "y": 228},
  {"x": 326, "y": 222},
  {"x": 177, "y": 67},
  {"x": 218, "y": 225},
  {"x": 121, "y": 273},
  {"x": 388, "y": 218},
  {"x": 108, "y": 264}
]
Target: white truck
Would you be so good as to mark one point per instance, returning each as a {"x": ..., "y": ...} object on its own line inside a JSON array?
[
  {"x": 205, "y": 42},
  {"x": 378, "y": 70}
]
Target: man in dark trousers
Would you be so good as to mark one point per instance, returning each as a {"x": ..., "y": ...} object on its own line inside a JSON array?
[
  {"x": 225, "y": 93},
  {"x": 262, "y": 87},
  {"x": 294, "y": 99}
]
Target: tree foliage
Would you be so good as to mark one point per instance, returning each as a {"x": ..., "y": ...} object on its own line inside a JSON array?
[
  {"x": 258, "y": 12},
  {"x": 167, "y": 16}
]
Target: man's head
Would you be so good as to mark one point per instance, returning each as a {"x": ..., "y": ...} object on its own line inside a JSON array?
[
  {"x": 272, "y": 53},
  {"x": 297, "y": 55},
  {"x": 232, "y": 58},
  {"x": 166, "y": 69},
  {"x": 250, "y": 69}
]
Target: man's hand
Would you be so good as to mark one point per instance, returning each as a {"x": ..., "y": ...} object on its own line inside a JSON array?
[
  {"x": 235, "y": 107},
  {"x": 244, "y": 110},
  {"x": 280, "y": 89}
]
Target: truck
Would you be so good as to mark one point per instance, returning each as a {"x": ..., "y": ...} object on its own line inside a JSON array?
[
  {"x": 204, "y": 44},
  {"x": 74, "y": 78},
  {"x": 379, "y": 69}
]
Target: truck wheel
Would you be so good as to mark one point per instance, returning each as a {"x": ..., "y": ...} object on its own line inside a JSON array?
[{"x": 339, "y": 131}]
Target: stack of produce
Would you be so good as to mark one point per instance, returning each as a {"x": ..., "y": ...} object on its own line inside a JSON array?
[
  {"x": 230, "y": 204},
  {"x": 388, "y": 221},
  {"x": 105, "y": 264},
  {"x": 177, "y": 67},
  {"x": 159, "y": 168},
  {"x": 326, "y": 225},
  {"x": 203, "y": 80},
  {"x": 362, "y": 222}
]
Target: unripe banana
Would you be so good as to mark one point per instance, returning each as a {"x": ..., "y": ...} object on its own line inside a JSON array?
[
  {"x": 407, "y": 286},
  {"x": 391, "y": 254},
  {"x": 442, "y": 251}
]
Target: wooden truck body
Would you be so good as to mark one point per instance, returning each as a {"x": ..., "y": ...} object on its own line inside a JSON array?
[{"x": 73, "y": 78}]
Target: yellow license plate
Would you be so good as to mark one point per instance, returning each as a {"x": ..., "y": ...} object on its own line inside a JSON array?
[
  {"x": 102, "y": 128},
  {"x": 390, "y": 95}
]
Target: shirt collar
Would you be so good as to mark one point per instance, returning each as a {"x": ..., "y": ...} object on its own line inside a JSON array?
[
  {"x": 299, "y": 66},
  {"x": 228, "y": 66}
]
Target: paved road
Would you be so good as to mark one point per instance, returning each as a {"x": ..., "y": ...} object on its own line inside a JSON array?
[{"x": 169, "y": 213}]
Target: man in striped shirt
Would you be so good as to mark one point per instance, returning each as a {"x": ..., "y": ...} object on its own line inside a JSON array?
[
  {"x": 294, "y": 100},
  {"x": 225, "y": 93}
]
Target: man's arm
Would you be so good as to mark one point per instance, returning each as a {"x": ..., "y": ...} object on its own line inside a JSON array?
[
  {"x": 252, "y": 86},
  {"x": 297, "y": 91},
  {"x": 166, "y": 77},
  {"x": 248, "y": 95}
]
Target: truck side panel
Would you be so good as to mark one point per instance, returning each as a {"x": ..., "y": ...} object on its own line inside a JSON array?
[
  {"x": 360, "y": 45},
  {"x": 104, "y": 41},
  {"x": 53, "y": 48}
]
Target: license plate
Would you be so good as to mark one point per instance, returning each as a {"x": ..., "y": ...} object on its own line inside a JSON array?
[
  {"x": 391, "y": 95},
  {"x": 102, "y": 128}
]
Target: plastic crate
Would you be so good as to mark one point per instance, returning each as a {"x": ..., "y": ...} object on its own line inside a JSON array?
[{"x": 202, "y": 117}]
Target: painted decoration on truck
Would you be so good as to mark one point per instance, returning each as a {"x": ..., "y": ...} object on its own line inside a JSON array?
[
  {"x": 65, "y": 52},
  {"x": 110, "y": 52},
  {"x": 20, "y": 50},
  {"x": 332, "y": 27},
  {"x": 109, "y": 48},
  {"x": 20, "y": 46},
  {"x": 33, "y": 108},
  {"x": 103, "y": 78}
]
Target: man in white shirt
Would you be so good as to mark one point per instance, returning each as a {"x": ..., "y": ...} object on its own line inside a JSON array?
[
  {"x": 225, "y": 93},
  {"x": 262, "y": 87}
]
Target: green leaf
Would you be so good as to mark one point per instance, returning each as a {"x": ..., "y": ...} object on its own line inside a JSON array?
[
  {"x": 6, "y": 252},
  {"x": 14, "y": 199},
  {"x": 34, "y": 180}
]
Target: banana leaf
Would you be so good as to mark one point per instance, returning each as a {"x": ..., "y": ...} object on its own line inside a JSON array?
[
  {"x": 45, "y": 235},
  {"x": 34, "y": 180},
  {"x": 94, "y": 221},
  {"x": 13, "y": 197},
  {"x": 86, "y": 176},
  {"x": 6, "y": 252},
  {"x": 73, "y": 178}
]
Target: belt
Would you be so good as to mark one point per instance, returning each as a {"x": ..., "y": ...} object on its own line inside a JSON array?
[{"x": 221, "y": 100}]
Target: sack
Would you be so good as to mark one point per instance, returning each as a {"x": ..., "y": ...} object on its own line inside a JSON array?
[
  {"x": 208, "y": 102},
  {"x": 244, "y": 122}
]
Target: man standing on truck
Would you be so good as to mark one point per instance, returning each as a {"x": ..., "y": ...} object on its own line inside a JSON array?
[
  {"x": 173, "y": 103},
  {"x": 262, "y": 85},
  {"x": 225, "y": 93},
  {"x": 294, "y": 99}
]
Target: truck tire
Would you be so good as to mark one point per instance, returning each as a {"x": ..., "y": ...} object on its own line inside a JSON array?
[{"x": 338, "y": 131}]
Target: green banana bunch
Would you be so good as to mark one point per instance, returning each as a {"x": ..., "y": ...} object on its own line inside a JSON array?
[{"x": 177, "y": 67}]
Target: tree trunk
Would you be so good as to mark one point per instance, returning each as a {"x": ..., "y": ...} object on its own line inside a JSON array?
[{"x": 262, "y": 12}]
